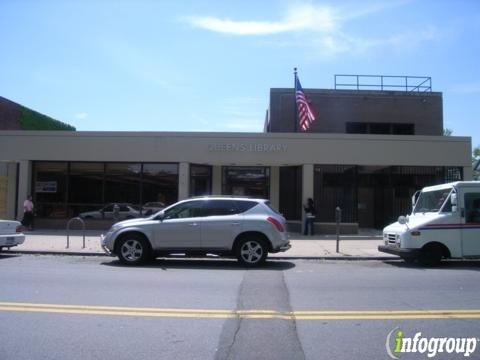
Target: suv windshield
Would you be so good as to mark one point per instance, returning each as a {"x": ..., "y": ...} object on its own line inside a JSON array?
[{"x": 431, "y": 201}]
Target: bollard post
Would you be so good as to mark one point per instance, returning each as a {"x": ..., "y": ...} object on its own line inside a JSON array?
[
  {"x": 338, "y": 218},
  {"x": 68, "y": 230}
]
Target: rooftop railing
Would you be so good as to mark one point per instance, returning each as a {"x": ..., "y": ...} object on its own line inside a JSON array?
[{"x": 383, "y": 83}]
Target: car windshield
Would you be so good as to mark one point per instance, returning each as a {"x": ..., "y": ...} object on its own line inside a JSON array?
[{"x": 431, "y": 201}]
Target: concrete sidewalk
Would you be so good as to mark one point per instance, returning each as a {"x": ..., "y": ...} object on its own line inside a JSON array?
[{"x": 352, "y": 247}]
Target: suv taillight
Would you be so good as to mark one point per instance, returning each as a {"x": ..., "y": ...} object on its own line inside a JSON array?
[
  {"x": 278, "y": 225},
  {"x": 19, "y": 229}
]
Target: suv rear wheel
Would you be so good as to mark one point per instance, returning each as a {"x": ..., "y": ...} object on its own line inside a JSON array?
[
  {"x": 251, "y": 251},
  {"x": 133, "y": 250}
]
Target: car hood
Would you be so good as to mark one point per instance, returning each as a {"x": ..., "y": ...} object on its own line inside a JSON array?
[
  {"x": 416, "y": 221},
  {"x": 132, "y": 222}
]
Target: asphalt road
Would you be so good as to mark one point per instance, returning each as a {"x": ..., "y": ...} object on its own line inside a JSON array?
[{"x": 65, "y": 307}]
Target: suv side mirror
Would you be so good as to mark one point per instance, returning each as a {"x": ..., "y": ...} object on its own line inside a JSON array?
[
  {"x": 402, "y": 220},
  {"x": 160, "y": 216}
]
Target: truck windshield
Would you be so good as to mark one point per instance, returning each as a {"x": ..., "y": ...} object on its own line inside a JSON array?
[{"x": 431, "y": 201}]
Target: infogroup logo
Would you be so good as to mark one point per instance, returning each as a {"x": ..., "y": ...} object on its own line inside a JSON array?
[{"x": 430, "y": 346}]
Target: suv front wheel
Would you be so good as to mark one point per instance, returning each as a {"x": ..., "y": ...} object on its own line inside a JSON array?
[
  {"x": 251, "y": 252},
  {"x": 133, "y": 250}
]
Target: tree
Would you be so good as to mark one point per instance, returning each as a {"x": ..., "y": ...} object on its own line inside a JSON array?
[
  {"x": 447, "y": 132},
  {"x": 476, "y": 162}
]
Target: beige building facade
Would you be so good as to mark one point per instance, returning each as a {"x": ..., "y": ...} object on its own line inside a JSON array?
[{"x": 250, "y": 164}]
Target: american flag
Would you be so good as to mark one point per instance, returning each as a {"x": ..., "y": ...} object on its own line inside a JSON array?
[{"x": 305, "y": 111}]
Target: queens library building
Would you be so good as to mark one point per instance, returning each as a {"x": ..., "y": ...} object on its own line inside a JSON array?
[{"x": 369, "y": 149}]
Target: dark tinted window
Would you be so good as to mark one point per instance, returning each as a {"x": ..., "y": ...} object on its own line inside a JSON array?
[
  {"x": 379, "y": 128},
  {"x": 356, "y": 128},
  {"x": 244, "y": 205},
  {"x": 219, "y": 207},
  {"x": 403, "y": 129},
  {"x": 185, "y": 210}
]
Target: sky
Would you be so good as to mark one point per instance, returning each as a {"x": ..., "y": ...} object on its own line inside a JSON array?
[{"x": 209, "y": 65}]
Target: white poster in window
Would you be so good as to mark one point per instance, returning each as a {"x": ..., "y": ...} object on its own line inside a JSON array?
[{"x": 46, "y": 187}]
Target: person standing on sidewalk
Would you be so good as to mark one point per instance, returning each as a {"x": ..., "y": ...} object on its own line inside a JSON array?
[
  {"x": 309, "y": 217},
  {"x": 28, "y": 213}
]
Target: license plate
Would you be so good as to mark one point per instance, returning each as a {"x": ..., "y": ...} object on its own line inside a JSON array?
[{"x": 10, "y": 240}]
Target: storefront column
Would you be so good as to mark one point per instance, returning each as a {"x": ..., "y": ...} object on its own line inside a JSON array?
[
  {"x": 24, "y": 185},
  {"x": 307, "y": 186},
  {"x": 183, "y": 181},
  {"x": 11, "y": 190},
  {"x": 275, "y": 186},
  {"x": 467, "y": 173},
  {"x": 216, "y": 180}
]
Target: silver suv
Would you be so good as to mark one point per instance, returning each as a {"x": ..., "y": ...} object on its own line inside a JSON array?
[{"x": 246, "y": 228}]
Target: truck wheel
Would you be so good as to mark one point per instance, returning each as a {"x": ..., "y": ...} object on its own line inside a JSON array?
[
  {"x": 133, "y": 250},
  {"x": 431, "y": 256},
  {"x": 251, "y": 251}
]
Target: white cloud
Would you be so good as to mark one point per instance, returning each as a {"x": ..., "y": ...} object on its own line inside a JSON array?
[
  {"x": 81, "y": 115},
  {"x": 303, "y": 17},
  {"x": 321, "y": 28}
]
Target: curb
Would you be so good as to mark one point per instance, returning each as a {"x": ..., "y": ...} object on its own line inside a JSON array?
[
  {"x": 92, "y": 254},
  {"x": 48, "y": 252}
]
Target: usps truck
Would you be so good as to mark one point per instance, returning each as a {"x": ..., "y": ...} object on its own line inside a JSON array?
[{"x": 444, "y": 223}]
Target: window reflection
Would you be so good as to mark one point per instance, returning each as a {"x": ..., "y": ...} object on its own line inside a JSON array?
[{"x": 65, "y": 190}]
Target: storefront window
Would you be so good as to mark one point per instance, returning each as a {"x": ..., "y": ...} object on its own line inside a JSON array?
[
  {"x": 122, "y": 183},
  {"x": 252, "y": 181},
  {"x": 85, "y": 190},
  {"x": 291, "y": 192},
  {"x": 50, "y": 186},
  {"x": 373, "y": 196},
  {"x": 65, "y": 190},
  {"x": 160, "y": 185}
]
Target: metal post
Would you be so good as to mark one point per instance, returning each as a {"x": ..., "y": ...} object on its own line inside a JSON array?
[
  {"x": 338, "y": 218},
  {"x": 68, "y": 230}
]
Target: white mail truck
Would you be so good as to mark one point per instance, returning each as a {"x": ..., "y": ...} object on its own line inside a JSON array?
[{"x": 444, "y": 223}]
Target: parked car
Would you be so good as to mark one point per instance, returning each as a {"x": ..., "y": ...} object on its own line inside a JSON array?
[
  {"x": 150, "y": 208},
  {"x": 11, "y": 233},
  {"x": 444, "y": 223},
  {"x": 246, "y": 228},
  {"x": 126, "y": 211}
]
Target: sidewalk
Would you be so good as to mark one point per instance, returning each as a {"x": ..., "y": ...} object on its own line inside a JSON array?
[{"x": 352, "y": 247}]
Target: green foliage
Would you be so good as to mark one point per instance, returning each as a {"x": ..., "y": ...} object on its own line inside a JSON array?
[
  {"x": 447, "y": 132},
  {"x": 32, "y": 120},
  {"x": 475, "y": 161},
  {"x": 476, "y": 152}
]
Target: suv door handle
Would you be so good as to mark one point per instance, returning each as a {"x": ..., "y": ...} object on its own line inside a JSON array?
[
  {"x": 235, "y": 223},
  {"x": 193, "y": 224}
]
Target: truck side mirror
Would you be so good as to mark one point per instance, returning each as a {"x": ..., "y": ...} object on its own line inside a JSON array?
[
  {"x": 453, "y": 200},
  {"x": 402, "y": 220}
]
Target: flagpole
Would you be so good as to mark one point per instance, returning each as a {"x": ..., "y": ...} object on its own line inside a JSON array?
[{"x": 295, "y": 117}]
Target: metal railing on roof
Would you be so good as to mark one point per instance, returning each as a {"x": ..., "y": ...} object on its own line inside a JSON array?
[{"x": 383, "y": 83}]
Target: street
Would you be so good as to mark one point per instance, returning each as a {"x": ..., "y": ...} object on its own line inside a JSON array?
[{"x": 72, "y": 307}]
